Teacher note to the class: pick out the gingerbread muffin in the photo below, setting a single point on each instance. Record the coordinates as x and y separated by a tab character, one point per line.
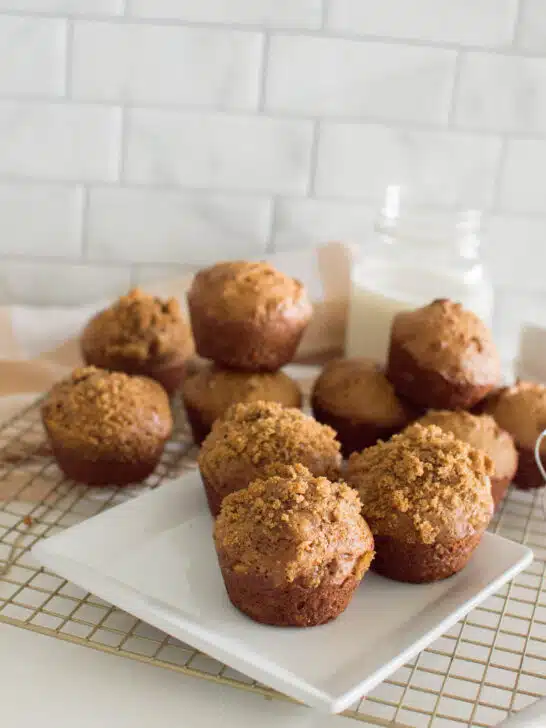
427	499
483	433
521	411
355	398
208	392
140	334
292	548
252	439
247	315
107	428
442	356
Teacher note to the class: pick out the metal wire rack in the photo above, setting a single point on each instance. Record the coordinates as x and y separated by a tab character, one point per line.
491	663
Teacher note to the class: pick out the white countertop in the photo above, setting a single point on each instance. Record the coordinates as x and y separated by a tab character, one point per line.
49	683
53	684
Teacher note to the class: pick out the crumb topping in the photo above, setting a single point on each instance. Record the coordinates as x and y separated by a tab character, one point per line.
357	388
212	390
248	290
521	411
295	526
100	411
139	326
446	337
423	484
480	431
256	435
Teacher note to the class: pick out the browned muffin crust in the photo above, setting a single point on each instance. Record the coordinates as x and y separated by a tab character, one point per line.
247	315
107	427
292	547
252	438
210	391
442	356
426	496
355	398
140	334
483	433
521	411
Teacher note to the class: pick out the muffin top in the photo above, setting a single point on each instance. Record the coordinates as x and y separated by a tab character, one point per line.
445	337
212	389
423	486
100	412
242	290
480	431
293	526
521	411
253	437
358	389
139	327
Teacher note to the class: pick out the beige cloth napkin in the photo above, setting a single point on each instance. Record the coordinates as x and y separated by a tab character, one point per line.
531	359
39	345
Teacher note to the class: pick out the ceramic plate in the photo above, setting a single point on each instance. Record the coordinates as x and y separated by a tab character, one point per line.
154	557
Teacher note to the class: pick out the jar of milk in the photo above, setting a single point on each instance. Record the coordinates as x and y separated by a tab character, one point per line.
414	257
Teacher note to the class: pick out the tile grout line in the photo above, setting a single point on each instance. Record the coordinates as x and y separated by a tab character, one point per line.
304	31
324	13
364	120
270	246
264	67
313	159
494	205
69	57
457	70
122	146
84	225
518	21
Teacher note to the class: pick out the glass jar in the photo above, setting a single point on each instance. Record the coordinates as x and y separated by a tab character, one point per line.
414	257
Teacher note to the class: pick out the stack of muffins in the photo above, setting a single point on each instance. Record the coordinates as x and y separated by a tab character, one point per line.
108	422
292	544
247	320
427	458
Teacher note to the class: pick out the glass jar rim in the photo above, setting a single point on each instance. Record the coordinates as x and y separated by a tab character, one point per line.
427	225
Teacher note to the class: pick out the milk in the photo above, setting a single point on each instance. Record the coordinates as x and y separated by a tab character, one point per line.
379	292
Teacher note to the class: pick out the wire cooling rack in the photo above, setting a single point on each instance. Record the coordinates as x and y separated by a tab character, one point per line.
491	663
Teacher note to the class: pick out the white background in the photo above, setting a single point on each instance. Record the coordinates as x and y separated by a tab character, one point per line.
141	134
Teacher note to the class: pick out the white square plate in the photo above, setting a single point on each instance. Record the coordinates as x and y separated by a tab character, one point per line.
154	557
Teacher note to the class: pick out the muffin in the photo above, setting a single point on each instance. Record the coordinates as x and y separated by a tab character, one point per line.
292	548
483	433
442	356
355	398
247	316
252	439
427	499
140	334
107	427
209	392
521	411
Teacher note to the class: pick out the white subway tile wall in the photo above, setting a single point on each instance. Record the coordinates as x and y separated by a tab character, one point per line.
32	56
150	64
266	13
64	7
333	77
523	180
150	226
218	151
51	141
143	137
463	22
442	167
